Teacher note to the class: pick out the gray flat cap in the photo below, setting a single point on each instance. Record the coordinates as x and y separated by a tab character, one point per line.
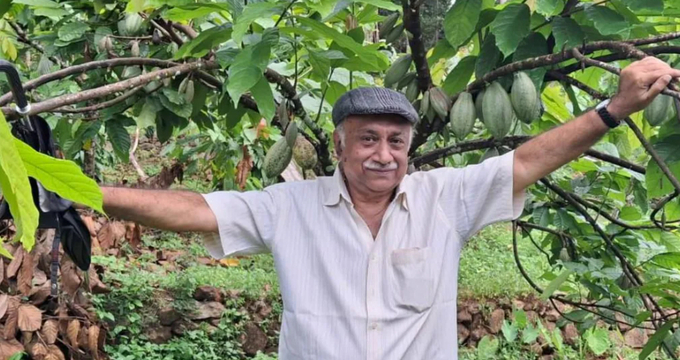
373	101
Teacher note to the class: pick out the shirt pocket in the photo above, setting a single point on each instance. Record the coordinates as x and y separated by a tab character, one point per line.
413	283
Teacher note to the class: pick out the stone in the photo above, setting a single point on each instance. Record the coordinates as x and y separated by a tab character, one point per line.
570	334
635	338
208	293
532	316
552	315
159	335
536	348
168	315
518	304
496	321
464	317
463	333
623	327
549	325
477	334
473	309
181	326
253	339
207	310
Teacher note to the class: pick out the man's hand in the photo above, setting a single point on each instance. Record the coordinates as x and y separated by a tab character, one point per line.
639	84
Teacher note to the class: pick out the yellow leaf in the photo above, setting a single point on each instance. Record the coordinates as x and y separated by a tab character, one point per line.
9	49
229	262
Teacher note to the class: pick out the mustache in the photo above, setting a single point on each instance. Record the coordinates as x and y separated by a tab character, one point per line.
374	165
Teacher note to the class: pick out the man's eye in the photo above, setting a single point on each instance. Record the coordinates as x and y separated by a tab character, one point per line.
397	141
368	138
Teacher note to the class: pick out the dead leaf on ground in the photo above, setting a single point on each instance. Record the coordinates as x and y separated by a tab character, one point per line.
26	337
16	262
133	234
69	276
30	318
39	277
4	302
110	234
54	353
93	340
25	278
37	350
243	168
62	312
40	293
12	318
2	270
72	332
90	223
9	348
49	331
227	262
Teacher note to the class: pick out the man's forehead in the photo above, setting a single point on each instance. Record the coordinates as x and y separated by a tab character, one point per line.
392	123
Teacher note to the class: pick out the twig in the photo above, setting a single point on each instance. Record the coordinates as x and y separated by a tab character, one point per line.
102	105
668	198
21	35
142	176
138	38
283	14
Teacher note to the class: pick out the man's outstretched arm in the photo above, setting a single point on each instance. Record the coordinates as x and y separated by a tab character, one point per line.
639	84
170	210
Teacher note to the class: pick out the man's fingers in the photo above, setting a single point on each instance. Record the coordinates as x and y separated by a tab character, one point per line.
651	77
658	86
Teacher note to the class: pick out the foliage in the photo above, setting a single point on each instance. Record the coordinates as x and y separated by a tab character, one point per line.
607	220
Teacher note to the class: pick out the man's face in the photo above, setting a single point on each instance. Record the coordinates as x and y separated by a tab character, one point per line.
375	153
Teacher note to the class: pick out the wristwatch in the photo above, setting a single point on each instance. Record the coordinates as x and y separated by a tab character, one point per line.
608	119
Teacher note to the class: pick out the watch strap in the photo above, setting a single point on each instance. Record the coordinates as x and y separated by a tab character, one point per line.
607	118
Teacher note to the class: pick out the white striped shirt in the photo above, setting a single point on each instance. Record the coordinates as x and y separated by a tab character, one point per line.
348	296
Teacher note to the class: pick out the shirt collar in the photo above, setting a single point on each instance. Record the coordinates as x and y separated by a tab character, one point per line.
337	190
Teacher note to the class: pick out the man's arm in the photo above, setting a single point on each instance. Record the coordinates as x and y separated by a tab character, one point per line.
161	209
639	84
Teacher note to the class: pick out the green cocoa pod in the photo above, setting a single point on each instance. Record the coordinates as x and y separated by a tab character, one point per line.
497	109
537	111
387	25
395	33
291	134
489	153
133	23
425	103
406	79
397	71
462	116
189	91
478	105
624	282
564	255
183	86
412	90
101	44
523	97
134	48
440	102
277	158
304	153
659	110
156	37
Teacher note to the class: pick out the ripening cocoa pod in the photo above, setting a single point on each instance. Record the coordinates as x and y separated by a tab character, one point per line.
304	153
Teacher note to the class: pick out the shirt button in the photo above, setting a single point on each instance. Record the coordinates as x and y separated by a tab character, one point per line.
373	257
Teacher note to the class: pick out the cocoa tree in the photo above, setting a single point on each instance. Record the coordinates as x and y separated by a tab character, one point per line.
219	83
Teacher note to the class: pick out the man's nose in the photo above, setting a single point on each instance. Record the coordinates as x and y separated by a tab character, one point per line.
383	154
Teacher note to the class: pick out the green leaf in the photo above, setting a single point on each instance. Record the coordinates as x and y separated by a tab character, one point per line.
636	5
181	110
555	284
656	339
262	93
38	3
567	33
510	26
608	21
251	13
459	77
200	96
669	260
487	348
119	138
373	59
193	11
16	188
657	183
321	65
72	31
541	216
63	177
549	8
598	340
630	213
460	21
532	46
383	4
4	7
530	334
442	50
335	90
489	56
147	116
242	79
564	221
173	96
204	42
509	331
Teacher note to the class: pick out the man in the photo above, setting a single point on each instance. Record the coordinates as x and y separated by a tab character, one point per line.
368	258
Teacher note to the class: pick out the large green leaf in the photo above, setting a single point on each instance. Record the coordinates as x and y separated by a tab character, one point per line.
635	5
656	339
119	139
181	109
488	57
262	93
532	46
567	33
555	284
608	21
510	26
193	11
443	50
63	177
38	3
251	13
598	340
549	7
458	78
4	7
460	21
72	31
16	188
667	260
204	42
321	64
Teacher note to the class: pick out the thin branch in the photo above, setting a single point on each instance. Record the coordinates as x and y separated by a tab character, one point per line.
412	25
283	14
668	198
102	105
21	35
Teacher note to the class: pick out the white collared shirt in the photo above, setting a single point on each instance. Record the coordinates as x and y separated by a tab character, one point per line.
348	296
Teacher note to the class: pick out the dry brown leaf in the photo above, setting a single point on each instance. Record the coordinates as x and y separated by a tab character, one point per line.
30	318
37	350
26	337
12	318
16	262
54	353
2	270
69	276
82	337
40	293
62	312
72	332
39	277
93	340
89	222
133	234
110	234
9	348
4	302
243	168
50	330
25	278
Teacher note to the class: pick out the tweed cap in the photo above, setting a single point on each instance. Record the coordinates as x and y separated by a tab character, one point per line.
373	101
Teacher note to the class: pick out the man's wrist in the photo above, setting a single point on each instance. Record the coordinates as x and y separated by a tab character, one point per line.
602	110
616	111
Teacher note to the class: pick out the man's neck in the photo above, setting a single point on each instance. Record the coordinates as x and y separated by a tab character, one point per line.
370	206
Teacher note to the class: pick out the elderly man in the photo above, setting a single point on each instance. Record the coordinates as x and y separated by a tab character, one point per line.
368	258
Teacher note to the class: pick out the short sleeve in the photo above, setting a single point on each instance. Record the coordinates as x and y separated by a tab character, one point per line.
246	223
482	194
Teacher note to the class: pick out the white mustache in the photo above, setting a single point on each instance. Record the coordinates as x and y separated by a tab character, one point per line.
373	165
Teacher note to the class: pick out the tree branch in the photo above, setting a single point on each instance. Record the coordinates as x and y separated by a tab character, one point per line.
21	35
102	105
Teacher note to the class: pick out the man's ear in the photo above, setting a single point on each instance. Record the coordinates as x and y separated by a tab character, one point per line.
338	143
